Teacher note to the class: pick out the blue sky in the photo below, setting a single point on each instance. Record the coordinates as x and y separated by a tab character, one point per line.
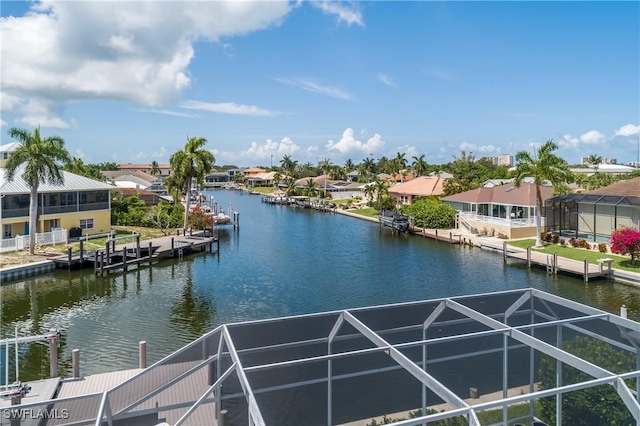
130	81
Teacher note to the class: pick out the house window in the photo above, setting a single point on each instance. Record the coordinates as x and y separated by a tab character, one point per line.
7	232
86	223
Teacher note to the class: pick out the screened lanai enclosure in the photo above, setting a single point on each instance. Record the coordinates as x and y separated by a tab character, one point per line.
591	216
461	357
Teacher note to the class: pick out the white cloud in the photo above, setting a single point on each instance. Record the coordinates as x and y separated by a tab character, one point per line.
386	80
278	149
312	86
438	73
131	51
409	151
228	108
80	154
628	130
343	13
42	113
167	112
160	153
593	137
3	123
348	143
475	149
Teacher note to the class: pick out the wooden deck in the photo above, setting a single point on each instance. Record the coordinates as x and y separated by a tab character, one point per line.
136	253
554	264
184	393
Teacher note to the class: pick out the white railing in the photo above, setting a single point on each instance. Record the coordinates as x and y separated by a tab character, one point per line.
21	242
512	223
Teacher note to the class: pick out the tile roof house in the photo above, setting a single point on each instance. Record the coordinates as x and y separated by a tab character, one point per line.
504	210
80	202
595	214
423	186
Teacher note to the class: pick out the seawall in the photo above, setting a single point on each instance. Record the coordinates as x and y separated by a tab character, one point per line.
12	273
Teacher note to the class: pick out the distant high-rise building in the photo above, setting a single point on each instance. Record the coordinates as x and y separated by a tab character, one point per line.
505	160
609	161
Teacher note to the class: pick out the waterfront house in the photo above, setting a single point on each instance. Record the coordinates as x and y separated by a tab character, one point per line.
217	179
261	179
252	171
80	202
164	170
504	210
335	189
595	214
423	186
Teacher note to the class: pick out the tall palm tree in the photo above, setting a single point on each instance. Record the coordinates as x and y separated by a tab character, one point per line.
419	165
543	166
594	160
348	166
42	160
192	162
154	168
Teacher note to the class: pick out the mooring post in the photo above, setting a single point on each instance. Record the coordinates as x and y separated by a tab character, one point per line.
124	258
173	246
95	262
75	362
137	246
150	248
53	358
113	245
529	257
69	257
436	235
623	311
101	263
108	251
142	354
555	263
504	252
222	421
586	270
450	238
81	252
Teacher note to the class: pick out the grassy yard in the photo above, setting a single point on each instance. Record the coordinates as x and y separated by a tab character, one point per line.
619	262
368	212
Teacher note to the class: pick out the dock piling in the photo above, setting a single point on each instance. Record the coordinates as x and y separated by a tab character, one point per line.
586	271
124	258
623	311
53	358
150	250
75	362
142	354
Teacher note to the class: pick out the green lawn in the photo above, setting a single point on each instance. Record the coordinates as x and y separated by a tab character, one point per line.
368	212
619	262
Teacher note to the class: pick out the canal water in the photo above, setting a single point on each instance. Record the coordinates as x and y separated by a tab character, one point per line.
280	261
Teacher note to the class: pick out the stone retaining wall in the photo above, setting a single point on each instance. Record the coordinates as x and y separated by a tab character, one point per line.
13	273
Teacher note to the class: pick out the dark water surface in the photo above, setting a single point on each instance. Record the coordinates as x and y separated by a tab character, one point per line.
281	261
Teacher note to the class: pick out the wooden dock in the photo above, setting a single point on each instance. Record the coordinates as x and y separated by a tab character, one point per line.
554	264
136	253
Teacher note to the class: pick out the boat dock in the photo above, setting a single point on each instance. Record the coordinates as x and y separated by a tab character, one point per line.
554	264
136	253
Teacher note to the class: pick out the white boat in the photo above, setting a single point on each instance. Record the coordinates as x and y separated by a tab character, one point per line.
221	218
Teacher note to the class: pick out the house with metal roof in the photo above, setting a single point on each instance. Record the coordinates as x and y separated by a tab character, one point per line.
595	214
504	210
80	202
164	170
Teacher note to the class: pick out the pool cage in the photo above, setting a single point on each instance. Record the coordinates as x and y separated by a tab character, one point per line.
461	355
591	216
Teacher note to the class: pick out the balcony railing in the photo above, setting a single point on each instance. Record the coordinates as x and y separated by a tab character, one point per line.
503	221
24	212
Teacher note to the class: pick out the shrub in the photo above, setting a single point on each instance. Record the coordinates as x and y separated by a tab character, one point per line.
626	241
562	241
602	248
555	239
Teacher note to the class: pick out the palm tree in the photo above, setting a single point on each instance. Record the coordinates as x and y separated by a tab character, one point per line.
41	159
154	168
594	161
348	166
382	189
193	162
311	188
419	165
543	166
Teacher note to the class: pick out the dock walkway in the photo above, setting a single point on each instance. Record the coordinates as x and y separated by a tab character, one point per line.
136	253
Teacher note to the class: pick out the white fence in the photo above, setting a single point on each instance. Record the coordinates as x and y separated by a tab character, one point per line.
57	236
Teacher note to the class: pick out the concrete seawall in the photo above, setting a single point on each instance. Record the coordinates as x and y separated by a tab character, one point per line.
13	273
